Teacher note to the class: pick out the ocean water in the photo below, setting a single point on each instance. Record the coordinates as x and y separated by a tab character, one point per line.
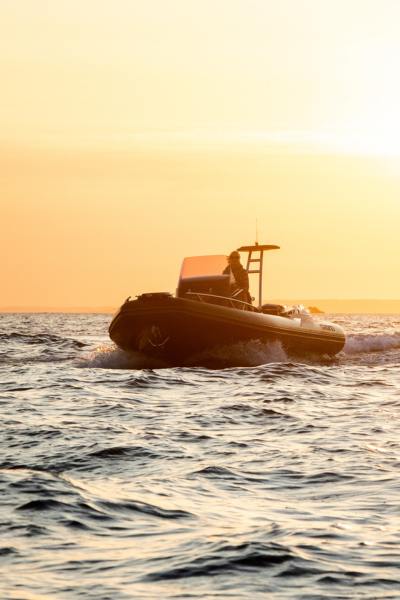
272	478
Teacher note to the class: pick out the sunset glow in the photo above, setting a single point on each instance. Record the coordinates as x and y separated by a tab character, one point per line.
133	134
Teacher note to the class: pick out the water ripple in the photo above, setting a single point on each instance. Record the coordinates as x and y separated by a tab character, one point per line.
259	477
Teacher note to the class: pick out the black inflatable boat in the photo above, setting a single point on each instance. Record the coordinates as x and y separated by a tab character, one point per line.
203	315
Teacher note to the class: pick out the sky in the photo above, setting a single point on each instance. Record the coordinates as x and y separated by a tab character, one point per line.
133	134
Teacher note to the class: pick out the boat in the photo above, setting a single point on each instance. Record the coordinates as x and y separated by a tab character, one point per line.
203	315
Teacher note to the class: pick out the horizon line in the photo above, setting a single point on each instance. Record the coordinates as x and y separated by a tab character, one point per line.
324	141
361	302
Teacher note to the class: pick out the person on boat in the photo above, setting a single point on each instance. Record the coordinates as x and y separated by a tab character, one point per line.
240	277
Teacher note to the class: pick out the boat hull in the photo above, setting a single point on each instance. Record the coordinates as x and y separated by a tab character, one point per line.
177	329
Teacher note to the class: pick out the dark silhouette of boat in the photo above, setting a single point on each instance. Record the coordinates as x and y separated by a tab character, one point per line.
203	315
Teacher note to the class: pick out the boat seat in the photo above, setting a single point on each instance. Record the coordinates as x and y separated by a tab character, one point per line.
272	309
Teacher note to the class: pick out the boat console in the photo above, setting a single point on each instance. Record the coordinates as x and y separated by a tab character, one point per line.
203	274
211	284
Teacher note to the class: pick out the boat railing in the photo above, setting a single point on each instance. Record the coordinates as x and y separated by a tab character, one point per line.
222	300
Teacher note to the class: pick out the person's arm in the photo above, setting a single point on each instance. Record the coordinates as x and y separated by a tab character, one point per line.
243	279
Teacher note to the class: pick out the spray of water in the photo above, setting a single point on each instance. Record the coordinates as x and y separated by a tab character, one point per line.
110	357
240	354
361	343
246	354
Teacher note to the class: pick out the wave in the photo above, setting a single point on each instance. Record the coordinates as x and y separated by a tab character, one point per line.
361	343
251	353
40	338
110	357
123	452
227	558
144	508
239	354
27	348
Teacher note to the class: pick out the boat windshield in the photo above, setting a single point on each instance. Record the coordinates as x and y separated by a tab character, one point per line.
203	266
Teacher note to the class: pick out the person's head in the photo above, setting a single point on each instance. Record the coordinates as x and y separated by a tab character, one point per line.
234	258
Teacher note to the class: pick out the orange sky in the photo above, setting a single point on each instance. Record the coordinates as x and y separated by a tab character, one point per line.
134	133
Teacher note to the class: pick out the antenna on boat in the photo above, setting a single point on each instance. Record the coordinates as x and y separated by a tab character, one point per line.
260	249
